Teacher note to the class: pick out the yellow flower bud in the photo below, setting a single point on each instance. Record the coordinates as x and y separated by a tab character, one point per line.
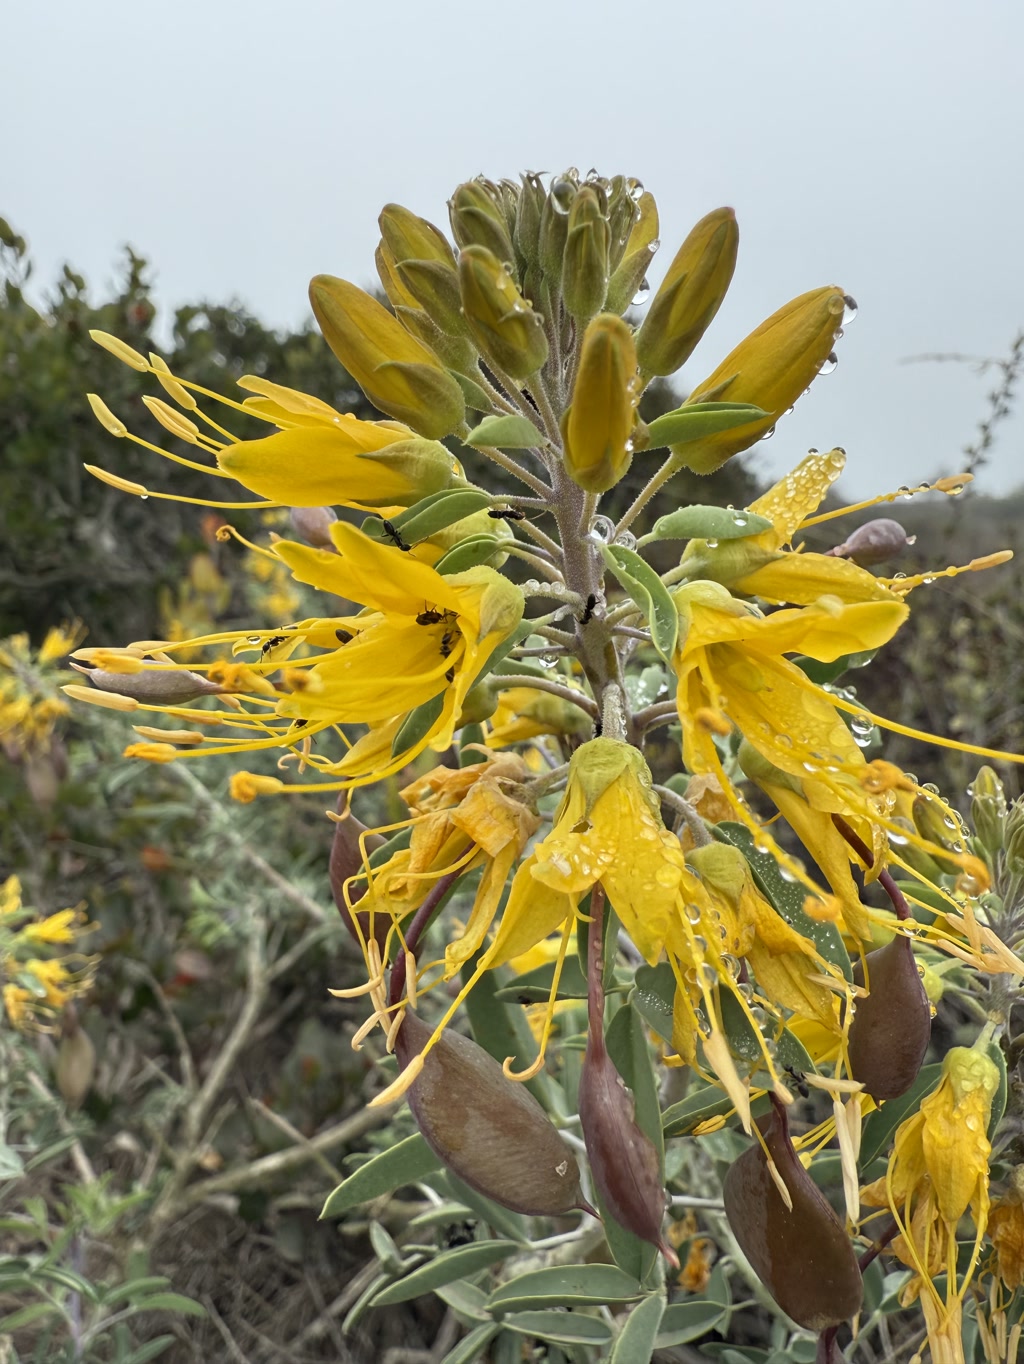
585	262
478	218
506	329
554	226
642	243
425	265
771	368
396	372
597	425
690	295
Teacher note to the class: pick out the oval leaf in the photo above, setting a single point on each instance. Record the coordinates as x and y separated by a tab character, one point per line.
564	1328
635	1344
470	1348
452	1265
438	511
686	1321
649	593
578	1285
696	421
469	553
707	523
508	433
416	724
405	1163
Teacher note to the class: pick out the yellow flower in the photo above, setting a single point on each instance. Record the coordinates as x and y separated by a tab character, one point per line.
524	713
55	980
18	1002
10	897
62	927
938	1172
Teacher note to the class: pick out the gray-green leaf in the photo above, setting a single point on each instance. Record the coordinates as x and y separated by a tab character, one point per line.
697	421
405	1163
649	593
446	1268
507	433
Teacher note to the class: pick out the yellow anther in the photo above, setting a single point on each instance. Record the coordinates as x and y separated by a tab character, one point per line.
121	350
114	425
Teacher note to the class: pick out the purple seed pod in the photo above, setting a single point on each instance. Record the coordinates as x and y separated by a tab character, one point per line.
346	861
623	1160
874	542
313	524
155	686
890	1030
801	1253
487	1129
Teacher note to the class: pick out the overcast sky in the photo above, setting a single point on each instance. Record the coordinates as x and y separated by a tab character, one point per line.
876	144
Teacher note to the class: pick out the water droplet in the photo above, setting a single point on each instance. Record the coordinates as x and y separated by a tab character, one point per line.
829	364
252	639
711	544
627	540
956	491
740	518
769	433
849	309
642	294
530	586
904	492
786	874
143	497
602	528
548	660
654	245
899	575
900	840
635	189
693	913
707	976
563	192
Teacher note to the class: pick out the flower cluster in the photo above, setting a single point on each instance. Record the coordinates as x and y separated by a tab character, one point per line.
40	975
781	973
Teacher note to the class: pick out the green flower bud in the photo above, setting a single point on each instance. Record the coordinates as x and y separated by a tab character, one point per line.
410	237
528	216
622	213
690	295
425	265
770	368
597	425
585	262
988	809
554	227
478	218
930	823
506	329
396	372
631	271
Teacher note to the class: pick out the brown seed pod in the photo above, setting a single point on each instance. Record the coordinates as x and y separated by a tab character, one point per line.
801	1254
890	1030
486	1128
623	1160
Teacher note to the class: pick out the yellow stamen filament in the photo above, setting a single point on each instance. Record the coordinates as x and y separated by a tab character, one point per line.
549	1014
140	490
410	979
398	1087
903	585
951	485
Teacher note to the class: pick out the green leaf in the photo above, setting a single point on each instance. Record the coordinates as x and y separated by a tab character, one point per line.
460	1263
824	673
635	1343
650	594
171	1302
565	1328
69	1279
743	1039
995	1052
384	1248
880	1125
697	421
686	1321
405	1163
469	553
507	433
470	1348
578	1285
417	723
707	523
503	1221
149	1351
474	395
133	1289
653	996
787	896
534	986
26	1315
706	1101
11	1164
465	1299
438	511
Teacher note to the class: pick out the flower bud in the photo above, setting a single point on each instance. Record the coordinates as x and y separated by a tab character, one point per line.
930	823
528	216
622	212
478	219
396	372
76	1060
313	524
346	860
597	425
873	543
585	261
425	265
153	686
988	809
487	1129
771	368
890	1029
796	1245
506	329
690	295
624	1162
410	237
631	271
554	227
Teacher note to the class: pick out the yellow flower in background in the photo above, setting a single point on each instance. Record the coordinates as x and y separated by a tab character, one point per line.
36	987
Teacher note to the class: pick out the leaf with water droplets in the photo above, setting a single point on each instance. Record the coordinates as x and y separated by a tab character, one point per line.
707	523
649	593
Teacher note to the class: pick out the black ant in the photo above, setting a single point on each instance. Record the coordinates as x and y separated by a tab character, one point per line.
343	636
588	610
446	648
430	617
392	532
506	514
458	1234
271	644
798	1081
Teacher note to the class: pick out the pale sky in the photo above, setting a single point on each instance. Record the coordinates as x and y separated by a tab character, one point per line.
876	145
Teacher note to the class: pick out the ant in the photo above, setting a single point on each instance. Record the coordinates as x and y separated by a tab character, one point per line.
430	617
588	610
271	644
798	1081
393	534
446	648
506	514
459	1234
343	636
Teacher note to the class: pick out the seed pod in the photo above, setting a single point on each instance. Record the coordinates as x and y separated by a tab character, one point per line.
800	1253
345	861
76	1060
874	542
623	1160
890	1030
314	525
153	686
487	1129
